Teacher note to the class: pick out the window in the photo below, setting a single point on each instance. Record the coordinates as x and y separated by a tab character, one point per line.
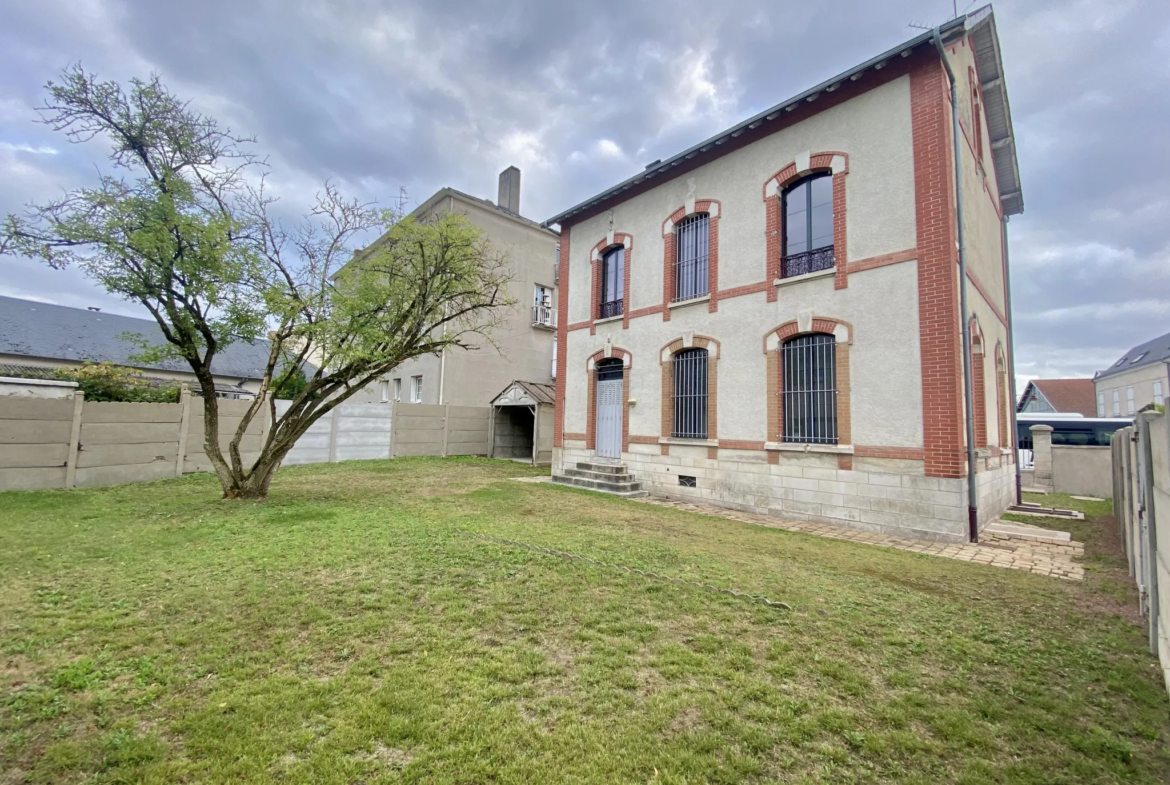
1138	358
1158	393
1129	399
416	389
690	394
557	266
809	365
398	389
1116	403
808	226
1100	404
385	384
613	270
542	307
690	267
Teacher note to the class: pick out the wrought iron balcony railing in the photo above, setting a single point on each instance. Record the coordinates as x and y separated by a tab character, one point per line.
611	308
807	262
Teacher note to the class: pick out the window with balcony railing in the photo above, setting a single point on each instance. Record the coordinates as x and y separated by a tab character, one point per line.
808	226
613	270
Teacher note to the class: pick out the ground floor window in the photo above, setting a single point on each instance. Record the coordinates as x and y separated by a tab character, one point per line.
809	365
416	389
690	394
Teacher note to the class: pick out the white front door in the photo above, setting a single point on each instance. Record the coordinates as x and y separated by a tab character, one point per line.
609	414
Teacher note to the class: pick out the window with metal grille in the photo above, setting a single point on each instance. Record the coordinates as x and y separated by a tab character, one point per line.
692	241
690	394
808	226
613	271
810	394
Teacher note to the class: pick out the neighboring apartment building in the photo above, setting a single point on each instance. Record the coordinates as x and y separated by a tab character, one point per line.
771	319
1062	396
37	338
527	341
1139	378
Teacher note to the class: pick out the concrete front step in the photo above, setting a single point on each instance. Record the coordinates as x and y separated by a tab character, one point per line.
1026	532
627	490
601	467
589	474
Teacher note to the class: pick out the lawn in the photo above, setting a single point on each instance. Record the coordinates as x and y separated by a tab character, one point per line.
346	632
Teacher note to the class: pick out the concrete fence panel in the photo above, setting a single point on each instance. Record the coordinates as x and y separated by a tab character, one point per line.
37	436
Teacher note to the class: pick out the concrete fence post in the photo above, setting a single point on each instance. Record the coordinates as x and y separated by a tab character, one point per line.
184	429
335	414
74	440
446	426
1042	457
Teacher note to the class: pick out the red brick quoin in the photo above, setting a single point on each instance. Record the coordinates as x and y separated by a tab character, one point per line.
774	215
714	210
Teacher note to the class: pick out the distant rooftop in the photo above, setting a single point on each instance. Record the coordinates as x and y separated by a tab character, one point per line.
56	332
1147	353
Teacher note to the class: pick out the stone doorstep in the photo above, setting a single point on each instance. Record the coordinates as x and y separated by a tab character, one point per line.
1025	532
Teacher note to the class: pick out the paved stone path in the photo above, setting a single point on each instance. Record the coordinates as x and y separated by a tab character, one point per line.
995	550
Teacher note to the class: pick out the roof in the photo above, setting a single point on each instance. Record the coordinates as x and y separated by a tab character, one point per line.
55	332
980	24
537	391
1148	353
1072	396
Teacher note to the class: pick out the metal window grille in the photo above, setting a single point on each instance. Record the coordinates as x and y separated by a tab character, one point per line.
608	370
810	394
692	240
690	394
613	266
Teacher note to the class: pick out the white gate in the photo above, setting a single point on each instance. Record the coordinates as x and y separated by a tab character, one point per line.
609	411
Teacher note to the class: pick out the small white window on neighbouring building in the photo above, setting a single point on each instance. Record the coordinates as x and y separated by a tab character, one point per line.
1129	400
1100	404
398	389
385	391
1116	402
1158	393
416	389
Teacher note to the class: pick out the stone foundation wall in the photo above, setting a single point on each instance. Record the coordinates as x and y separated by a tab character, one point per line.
887	496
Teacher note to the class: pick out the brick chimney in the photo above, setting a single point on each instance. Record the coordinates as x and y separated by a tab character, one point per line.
509	197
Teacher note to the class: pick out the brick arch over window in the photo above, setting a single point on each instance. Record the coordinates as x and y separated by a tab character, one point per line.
774	339
666	360
604	245
627	358
714	209
805	164
978	383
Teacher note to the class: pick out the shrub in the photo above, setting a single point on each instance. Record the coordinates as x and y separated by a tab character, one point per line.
109	382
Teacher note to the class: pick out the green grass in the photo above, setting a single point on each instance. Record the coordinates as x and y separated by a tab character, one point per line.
344	632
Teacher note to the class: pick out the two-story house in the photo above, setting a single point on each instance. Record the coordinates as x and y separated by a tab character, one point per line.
524	347
772	320
1140	377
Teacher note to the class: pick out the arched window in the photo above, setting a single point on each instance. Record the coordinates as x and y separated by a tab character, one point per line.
809	365
690	394
808	226
692	240
613	272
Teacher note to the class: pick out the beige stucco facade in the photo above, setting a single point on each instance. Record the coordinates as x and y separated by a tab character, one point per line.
1142	380
884	471
522	350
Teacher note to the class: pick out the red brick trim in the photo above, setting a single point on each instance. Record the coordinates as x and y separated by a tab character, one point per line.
627	358
751	288
577	326
574	436
562	341
986	297
773	188
1003	422
642	439
774	427
740	444
873	262
845	463
666	361
714	209
938	314
901	453
595	255
649	310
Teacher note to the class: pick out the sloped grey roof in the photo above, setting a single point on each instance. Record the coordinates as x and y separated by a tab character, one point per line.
55	332
1147	353
538	391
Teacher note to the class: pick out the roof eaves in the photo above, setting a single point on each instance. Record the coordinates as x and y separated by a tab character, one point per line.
767	115
989	64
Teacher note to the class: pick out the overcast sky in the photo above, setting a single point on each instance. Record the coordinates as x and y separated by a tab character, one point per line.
413	94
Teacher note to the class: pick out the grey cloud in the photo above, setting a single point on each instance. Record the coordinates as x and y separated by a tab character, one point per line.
380	94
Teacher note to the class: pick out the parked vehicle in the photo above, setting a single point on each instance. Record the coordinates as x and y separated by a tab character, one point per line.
1070	429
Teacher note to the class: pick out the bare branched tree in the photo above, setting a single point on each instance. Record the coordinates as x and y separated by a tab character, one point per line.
184	226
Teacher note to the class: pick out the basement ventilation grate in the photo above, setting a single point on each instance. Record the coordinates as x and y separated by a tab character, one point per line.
687	481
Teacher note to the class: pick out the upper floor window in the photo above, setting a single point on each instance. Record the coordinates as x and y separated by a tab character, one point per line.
809	365
1158	393
808	226
398	389
692	239
1116	403
543	313
613	272
1100	404
416	389
1129	403
690	394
